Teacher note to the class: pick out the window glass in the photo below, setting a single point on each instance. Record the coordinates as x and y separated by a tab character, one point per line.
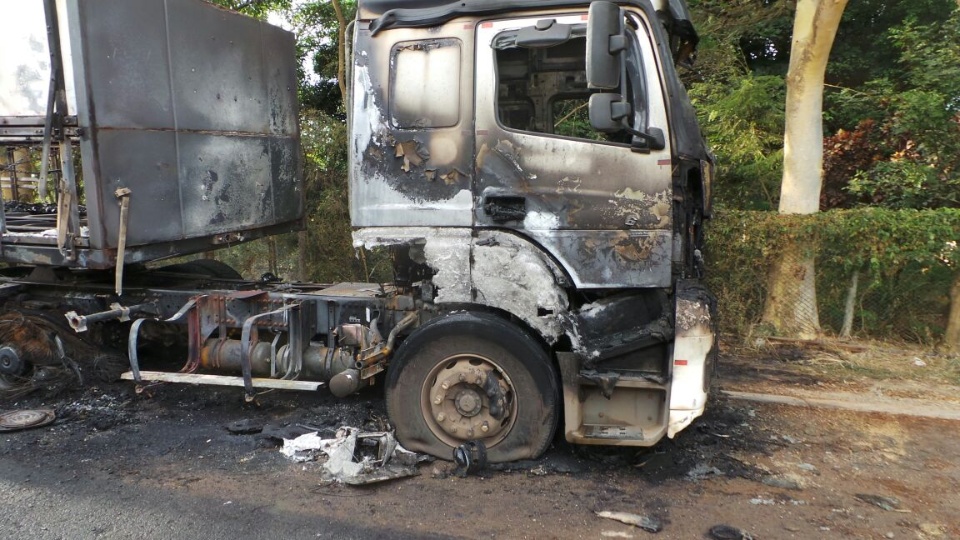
425	77
544	89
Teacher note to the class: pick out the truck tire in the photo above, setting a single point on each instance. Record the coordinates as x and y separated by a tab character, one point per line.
473	376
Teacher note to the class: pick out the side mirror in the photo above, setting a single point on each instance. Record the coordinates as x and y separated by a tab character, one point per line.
605	43
607	112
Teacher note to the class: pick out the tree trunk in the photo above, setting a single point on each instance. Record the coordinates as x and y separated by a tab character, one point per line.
303	240
951	339
272	255
791	303
814	29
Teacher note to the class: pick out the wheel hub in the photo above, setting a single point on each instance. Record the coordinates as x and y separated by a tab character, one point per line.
471	399
10	362
468	402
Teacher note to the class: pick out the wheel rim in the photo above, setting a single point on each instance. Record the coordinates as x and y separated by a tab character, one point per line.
468	397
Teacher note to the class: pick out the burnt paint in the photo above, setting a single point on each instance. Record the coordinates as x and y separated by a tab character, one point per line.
401	157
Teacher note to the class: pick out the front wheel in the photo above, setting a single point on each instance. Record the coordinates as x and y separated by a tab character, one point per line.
473	377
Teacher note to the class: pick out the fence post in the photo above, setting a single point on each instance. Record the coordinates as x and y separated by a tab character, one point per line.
849	306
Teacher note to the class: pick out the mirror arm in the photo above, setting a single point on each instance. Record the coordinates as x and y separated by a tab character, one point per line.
653	143
618	43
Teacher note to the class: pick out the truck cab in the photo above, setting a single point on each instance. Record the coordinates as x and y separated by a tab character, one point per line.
538	163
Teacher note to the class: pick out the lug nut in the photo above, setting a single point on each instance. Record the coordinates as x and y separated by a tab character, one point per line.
441	417
485	427
445	385
462	377
438	400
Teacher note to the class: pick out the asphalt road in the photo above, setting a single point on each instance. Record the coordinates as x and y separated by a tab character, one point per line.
116	465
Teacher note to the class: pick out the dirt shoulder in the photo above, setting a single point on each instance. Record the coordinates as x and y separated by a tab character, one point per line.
843	371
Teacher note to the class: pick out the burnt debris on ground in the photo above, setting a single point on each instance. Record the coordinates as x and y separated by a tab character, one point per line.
710	448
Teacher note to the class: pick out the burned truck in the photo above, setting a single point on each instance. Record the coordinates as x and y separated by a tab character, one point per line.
534	168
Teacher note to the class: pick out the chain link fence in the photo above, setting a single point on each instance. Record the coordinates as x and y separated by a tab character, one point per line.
817	281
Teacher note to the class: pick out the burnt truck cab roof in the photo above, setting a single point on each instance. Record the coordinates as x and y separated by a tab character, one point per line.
678	40
402	13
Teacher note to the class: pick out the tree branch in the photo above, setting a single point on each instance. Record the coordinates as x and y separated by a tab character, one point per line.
341	52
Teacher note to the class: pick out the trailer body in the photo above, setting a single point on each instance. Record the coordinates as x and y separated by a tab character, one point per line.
535	168
179	102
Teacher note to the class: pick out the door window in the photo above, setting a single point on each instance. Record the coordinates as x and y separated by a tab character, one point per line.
543	89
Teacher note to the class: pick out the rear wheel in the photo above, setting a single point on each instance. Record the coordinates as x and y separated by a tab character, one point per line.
473	376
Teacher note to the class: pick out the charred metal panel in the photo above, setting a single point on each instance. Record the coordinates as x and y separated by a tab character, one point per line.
225	183
603	211
191	107
603	259
412	164
225	87
286	172
492	268
511	274
628	332
150	157
126	83
610	409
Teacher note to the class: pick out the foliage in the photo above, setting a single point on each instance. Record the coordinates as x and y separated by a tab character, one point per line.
740	109
316	25
255	8
742	36
890	106
845	154
744	122
908	152
863	50
906	259
328	247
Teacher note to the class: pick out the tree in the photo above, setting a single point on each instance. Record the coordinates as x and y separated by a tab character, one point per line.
791	302
739	105
951	338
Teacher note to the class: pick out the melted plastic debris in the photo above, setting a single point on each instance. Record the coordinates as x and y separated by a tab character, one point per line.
354	457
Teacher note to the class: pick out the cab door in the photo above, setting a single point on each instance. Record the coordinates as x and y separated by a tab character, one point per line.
597	202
